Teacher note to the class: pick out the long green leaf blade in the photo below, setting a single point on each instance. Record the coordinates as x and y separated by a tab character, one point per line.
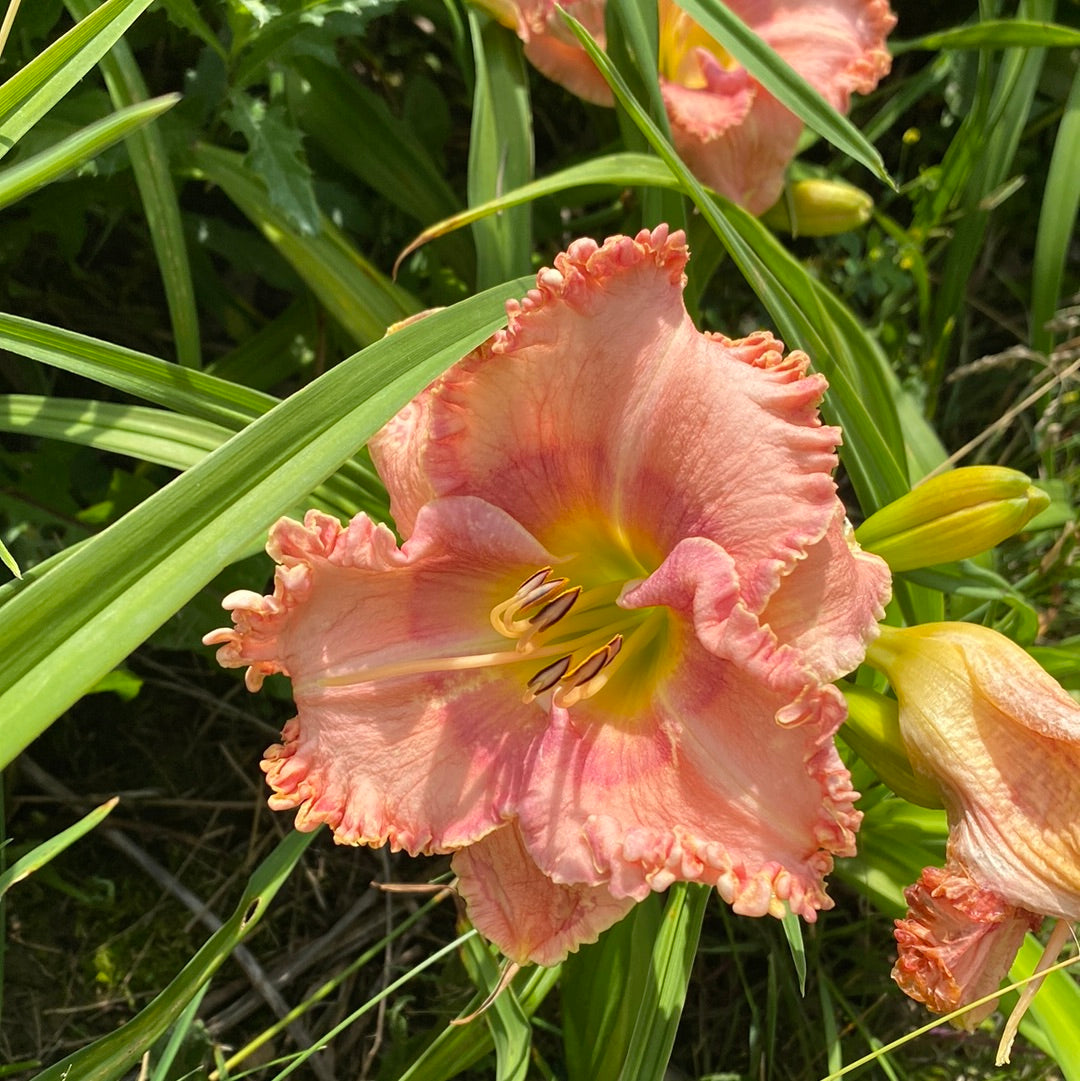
50	849
57	637
32	91
1057	220
76	149
150	161
662	1003
152	435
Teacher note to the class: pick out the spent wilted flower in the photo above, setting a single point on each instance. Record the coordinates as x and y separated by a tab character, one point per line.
601	660
734	135
1001	739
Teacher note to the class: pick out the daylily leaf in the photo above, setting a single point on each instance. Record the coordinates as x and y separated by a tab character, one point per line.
32	91
71	152
58	638
48	850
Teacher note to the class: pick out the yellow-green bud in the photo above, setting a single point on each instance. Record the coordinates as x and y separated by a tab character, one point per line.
819	208
872	731
952	516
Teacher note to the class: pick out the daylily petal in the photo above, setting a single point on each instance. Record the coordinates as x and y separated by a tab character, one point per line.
584	408
744	162
411	749
528	916
552	49
957	943
819	609
704	787
837	46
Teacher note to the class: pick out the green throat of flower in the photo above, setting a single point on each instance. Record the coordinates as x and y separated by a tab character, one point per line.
571	639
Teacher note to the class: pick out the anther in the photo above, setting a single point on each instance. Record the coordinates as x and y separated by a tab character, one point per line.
547	677
532	582
538	593
554	610
594	663
589	676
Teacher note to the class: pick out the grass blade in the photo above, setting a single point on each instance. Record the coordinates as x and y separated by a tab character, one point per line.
50	849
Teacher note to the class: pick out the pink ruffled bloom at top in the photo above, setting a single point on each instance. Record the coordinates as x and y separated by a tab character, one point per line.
601	660
734	135
1002	740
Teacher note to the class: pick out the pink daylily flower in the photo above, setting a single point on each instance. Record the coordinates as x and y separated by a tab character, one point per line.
1002	740
733	134
601	660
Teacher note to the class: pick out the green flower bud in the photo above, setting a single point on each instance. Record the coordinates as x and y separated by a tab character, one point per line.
952	516
819	208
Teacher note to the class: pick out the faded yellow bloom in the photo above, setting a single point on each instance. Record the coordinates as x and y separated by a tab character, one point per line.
1001	740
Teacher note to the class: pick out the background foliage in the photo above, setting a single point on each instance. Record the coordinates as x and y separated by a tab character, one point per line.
200	207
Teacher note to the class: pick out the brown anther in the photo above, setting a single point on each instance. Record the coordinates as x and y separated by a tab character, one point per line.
538	594
554	610
547	677
532	582
594	663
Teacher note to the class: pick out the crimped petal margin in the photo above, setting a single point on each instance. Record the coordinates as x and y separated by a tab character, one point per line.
397	738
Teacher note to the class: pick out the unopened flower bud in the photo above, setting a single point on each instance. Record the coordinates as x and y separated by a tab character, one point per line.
952	516
819	208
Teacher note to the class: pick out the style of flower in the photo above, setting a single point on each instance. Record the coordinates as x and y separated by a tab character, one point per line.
601	660
734	135
1002	740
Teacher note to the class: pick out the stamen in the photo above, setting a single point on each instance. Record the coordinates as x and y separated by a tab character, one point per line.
593	665
554	610
547	677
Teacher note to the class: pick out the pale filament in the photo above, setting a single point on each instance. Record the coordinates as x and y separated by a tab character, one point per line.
537	606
